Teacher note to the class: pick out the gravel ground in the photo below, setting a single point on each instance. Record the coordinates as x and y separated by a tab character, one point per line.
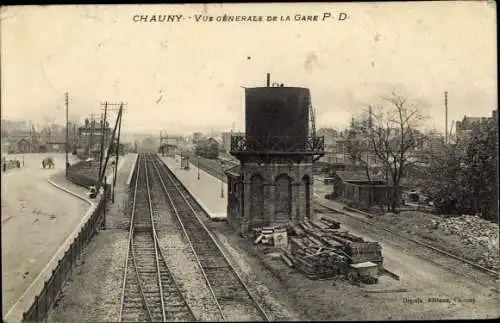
284	293
93	292
422	226
182	263
337	299
36	219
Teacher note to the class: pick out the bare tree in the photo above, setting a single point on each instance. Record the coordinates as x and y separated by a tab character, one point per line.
390	132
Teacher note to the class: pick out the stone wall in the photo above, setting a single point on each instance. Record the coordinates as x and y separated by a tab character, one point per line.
286	190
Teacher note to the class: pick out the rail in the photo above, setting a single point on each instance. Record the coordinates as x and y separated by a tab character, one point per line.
200	225
140	260
176	212
490	272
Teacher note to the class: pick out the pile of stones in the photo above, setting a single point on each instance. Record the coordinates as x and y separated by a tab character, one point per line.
476	233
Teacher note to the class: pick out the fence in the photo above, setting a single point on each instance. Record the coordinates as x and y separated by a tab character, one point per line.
45	300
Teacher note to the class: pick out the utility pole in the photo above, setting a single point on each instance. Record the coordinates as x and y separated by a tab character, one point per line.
368	155
75	142
103	135
221	177
67	125
446	117
91	138
117	150
114	144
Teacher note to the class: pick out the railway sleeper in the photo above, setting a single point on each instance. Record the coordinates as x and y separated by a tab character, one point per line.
177	307
143	228
133	299
134	305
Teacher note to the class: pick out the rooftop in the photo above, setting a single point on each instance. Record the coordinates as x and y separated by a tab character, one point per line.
356	176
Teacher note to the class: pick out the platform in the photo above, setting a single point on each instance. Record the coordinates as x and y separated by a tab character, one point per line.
40	219
206	190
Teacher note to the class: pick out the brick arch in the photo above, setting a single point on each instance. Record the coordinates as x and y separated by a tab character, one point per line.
283	197
256	199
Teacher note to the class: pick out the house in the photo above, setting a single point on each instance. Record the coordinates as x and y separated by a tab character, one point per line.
24	146
356	189
90	135
466	126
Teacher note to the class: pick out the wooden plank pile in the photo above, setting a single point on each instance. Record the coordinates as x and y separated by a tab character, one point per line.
265	235
321	250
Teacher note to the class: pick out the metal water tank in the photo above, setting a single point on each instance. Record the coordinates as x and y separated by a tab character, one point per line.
277	118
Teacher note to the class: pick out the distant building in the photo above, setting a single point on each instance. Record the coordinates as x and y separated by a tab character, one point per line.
466	126
355	188
197	136
90	136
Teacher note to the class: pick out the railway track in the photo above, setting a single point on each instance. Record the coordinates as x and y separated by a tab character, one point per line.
433	254
442	258
149	292
234	300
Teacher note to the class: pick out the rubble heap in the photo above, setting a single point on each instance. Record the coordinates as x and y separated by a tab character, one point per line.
476	233
321	250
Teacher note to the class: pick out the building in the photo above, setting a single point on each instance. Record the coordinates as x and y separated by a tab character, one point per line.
90	136
171	145
356	189
226	139
273	183
197	136
465	127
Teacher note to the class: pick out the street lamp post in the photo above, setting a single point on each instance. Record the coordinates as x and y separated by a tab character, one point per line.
221	182
198	167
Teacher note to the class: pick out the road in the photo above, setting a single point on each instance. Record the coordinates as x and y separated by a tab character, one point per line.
424	278
36	219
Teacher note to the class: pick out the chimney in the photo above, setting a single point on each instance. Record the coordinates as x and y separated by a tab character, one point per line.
268	79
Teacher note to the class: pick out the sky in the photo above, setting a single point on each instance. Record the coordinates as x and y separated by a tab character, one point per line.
187	76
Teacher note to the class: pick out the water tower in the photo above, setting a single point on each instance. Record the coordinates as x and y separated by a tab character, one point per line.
273	183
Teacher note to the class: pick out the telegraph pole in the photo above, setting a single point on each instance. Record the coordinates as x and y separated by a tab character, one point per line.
115	142
221	181
446	117
91	138
117	149
103	135
67	125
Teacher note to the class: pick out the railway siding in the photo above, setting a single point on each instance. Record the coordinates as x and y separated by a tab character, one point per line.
150	292
179	258
235	300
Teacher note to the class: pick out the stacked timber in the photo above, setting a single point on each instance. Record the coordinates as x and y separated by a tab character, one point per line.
265	235
321	250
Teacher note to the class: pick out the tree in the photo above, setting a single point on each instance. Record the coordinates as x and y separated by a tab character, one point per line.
463	177
390	132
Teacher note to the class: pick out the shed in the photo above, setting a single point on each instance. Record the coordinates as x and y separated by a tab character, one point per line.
356	188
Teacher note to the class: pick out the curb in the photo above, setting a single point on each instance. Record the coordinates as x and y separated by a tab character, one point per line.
200	203
53	261
70	192
132	170
391	274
